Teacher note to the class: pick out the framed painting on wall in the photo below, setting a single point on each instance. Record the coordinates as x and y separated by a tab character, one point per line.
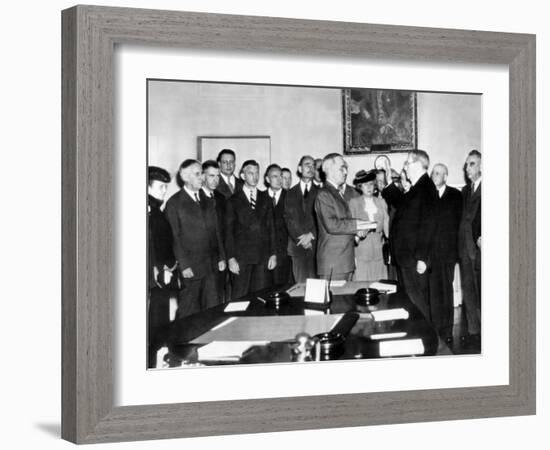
377	121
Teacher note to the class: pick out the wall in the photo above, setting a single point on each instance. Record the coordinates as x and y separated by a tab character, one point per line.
31	328
299	120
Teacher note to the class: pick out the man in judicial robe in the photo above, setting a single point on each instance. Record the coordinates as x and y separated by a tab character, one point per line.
448	209
211	179
469	248
229	183
412	230
301	224
197	242
250	241
282	273
337	228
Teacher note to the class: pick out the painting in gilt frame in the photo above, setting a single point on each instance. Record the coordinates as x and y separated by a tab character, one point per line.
377	120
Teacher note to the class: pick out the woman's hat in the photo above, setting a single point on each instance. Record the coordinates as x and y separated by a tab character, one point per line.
364	177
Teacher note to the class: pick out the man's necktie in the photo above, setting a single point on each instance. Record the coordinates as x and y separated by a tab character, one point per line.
274	200
197	198
306	191
252	200
231	187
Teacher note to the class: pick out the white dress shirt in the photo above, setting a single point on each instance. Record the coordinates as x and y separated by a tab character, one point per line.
304	185
230	181
276	194
191	193
476	184
441	190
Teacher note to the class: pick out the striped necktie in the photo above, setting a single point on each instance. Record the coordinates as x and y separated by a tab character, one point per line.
252	199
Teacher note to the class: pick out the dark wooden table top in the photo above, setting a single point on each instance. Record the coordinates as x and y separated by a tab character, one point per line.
358	344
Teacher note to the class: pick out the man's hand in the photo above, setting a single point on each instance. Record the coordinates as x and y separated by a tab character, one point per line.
421	267
479	242
221	265
362	234
305	240
234	266
187	273
272	263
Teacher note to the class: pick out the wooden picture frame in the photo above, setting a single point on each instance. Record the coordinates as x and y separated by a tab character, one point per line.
90	34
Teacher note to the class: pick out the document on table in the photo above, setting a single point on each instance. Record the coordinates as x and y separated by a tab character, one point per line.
226	350
387	288
390	314
236	306
402	347
316	291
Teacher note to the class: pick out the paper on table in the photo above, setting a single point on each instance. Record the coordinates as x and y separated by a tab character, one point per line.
381	336
402	347
225	350
390	314
337	283
384	287
236	306
316	291
313	312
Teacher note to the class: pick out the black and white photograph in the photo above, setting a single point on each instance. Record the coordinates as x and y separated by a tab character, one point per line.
300	224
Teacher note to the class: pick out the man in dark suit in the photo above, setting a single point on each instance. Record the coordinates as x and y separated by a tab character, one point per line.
448	209
162	263
229	183
250	234
300	221
211	179
412	230
469	248
197	241
337	228
282	273
349	192
319	176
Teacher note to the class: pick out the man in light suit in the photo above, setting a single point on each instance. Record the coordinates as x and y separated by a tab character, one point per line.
469	248
337	228
412	230
300	221
197	242
448	209
229	183
250	241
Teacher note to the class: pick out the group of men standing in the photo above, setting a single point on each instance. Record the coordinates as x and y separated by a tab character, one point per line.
230	238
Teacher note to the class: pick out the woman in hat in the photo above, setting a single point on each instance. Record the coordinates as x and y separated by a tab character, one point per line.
368	252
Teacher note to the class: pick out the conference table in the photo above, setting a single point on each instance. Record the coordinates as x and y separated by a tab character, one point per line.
272	331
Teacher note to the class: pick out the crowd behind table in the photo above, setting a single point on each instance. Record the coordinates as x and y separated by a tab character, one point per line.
220	237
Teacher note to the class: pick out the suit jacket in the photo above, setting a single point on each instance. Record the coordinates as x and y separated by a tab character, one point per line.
299	215
448	209
470	224
220	205
250	232
281	232
197	240
224	189
413	224
350	192
337	228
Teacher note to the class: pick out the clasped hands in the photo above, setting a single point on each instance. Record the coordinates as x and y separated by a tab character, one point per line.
305	240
